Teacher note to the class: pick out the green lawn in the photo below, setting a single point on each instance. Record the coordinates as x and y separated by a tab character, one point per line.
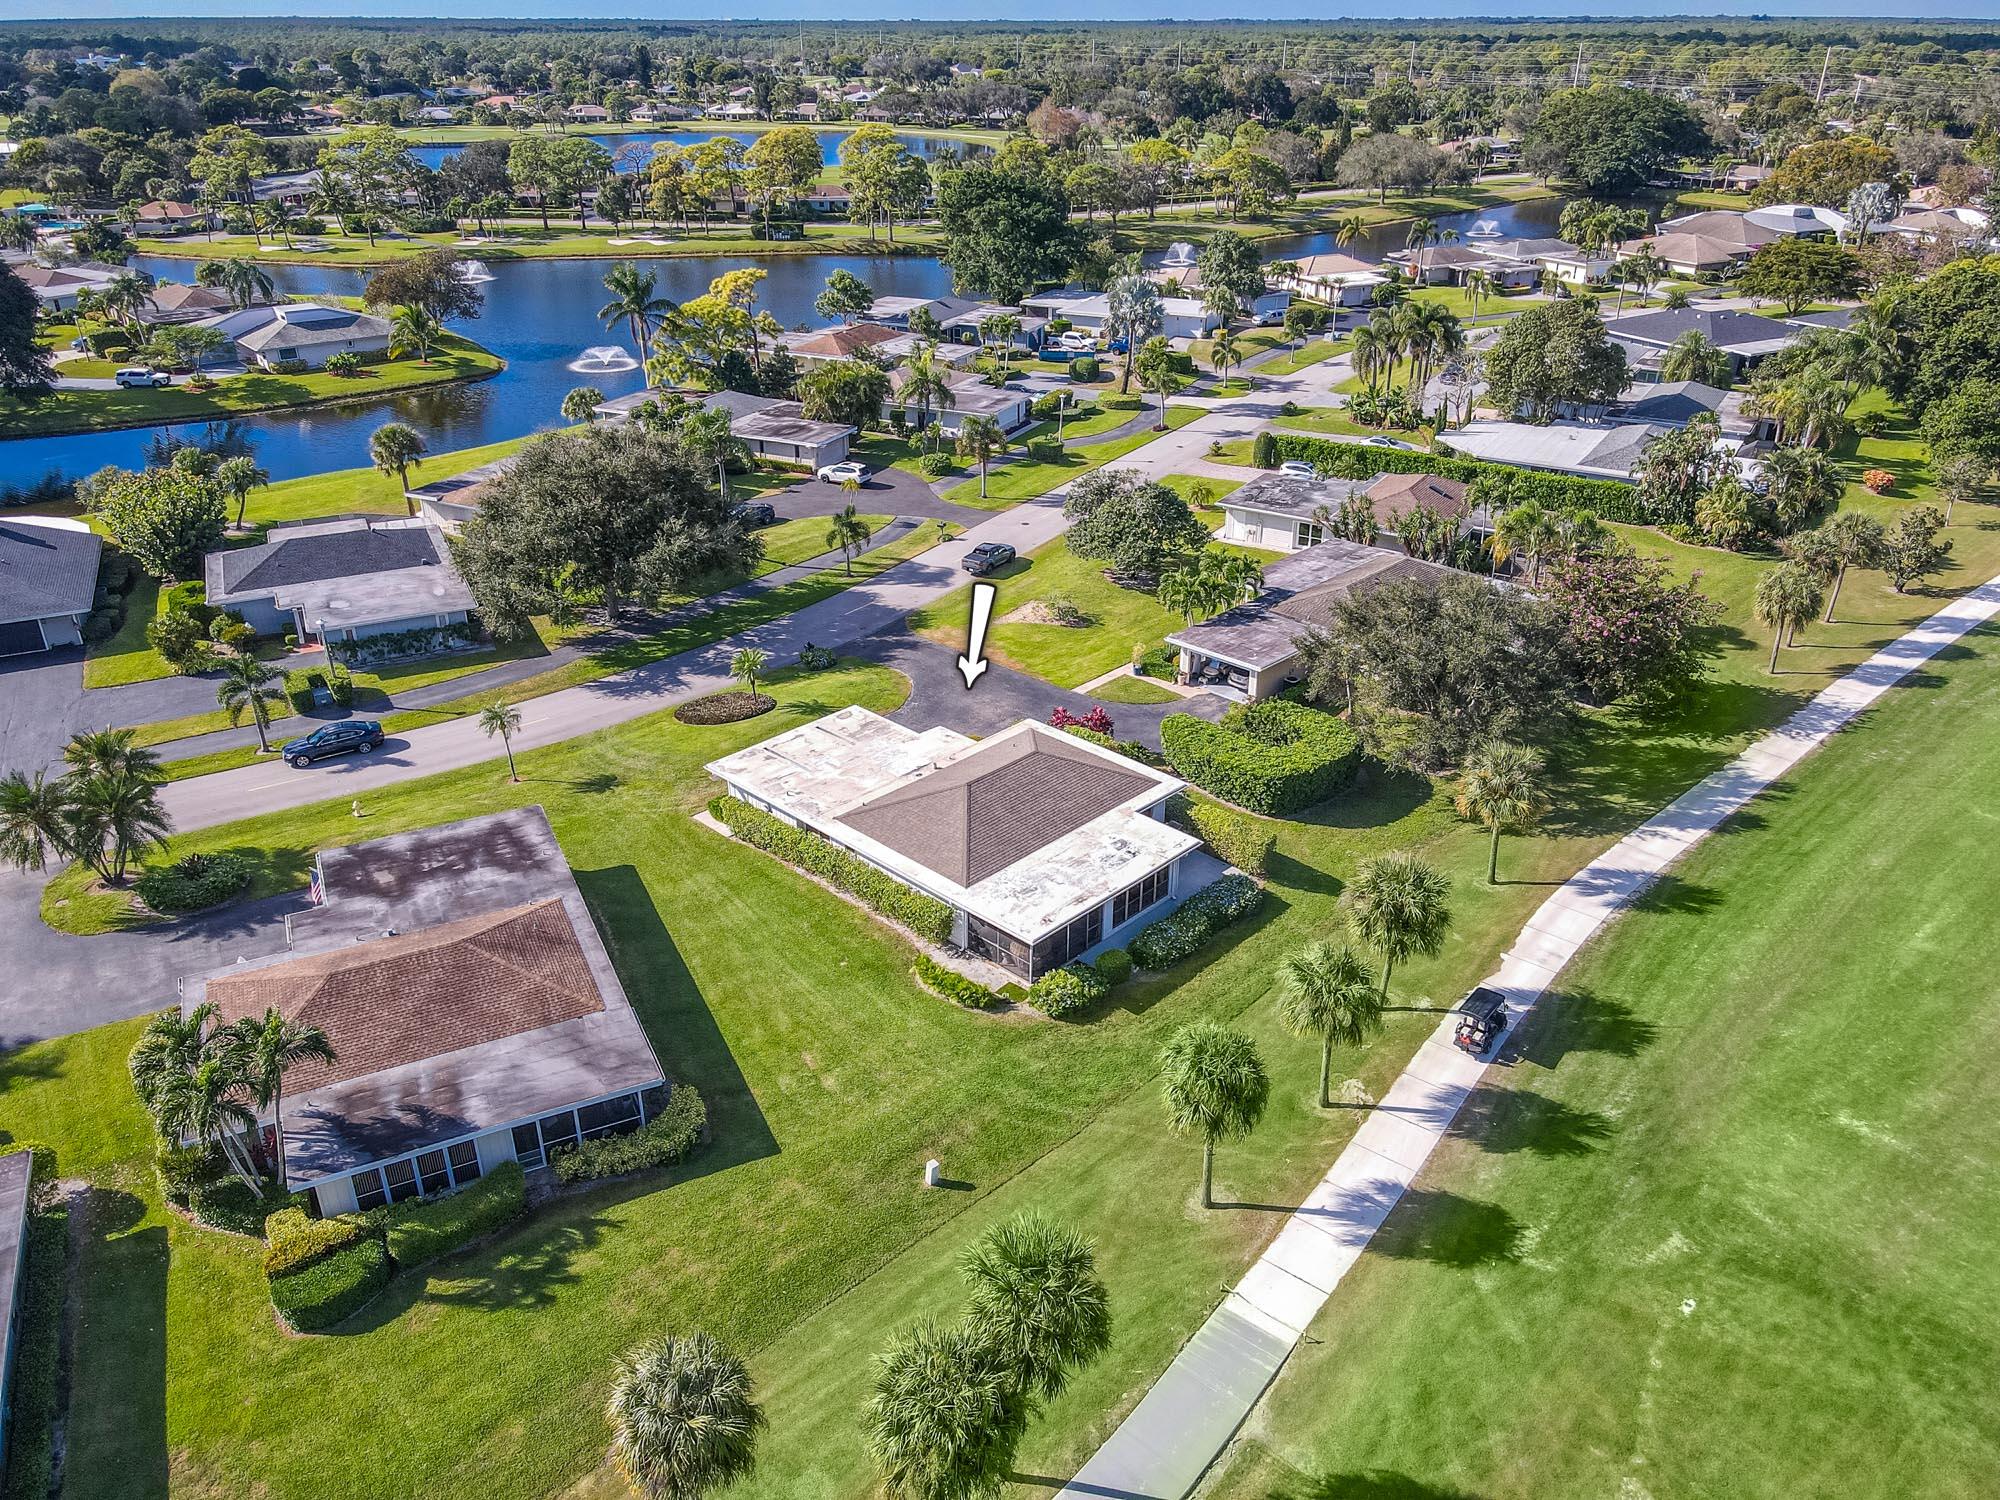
1133	690
1728	1194
125	656
1312	352
791	542
1028	479
75	411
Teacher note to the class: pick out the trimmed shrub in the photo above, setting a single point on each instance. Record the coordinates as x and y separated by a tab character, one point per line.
107	341
1085	369
340	683
1264	450
1115	965
182	1169
1273	757
668	1137
1045	450
225	1203
1163	662
346	362
1130	749
1061	992
924	915
1197	919
953	985
332	1288
1236	838
422	1229
299	686
102	624
817	658
937	465
1497	485
193	882
296	1241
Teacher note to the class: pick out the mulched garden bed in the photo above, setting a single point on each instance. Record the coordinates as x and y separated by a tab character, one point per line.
725	708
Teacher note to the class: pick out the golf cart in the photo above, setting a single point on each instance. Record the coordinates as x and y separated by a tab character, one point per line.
1482	1016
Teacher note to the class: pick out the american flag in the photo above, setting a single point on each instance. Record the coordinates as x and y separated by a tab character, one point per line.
317	890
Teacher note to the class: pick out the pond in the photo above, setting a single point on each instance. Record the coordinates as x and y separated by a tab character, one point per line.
930	147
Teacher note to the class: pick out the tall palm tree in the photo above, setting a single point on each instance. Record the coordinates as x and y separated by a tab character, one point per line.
684	1417
923	385
208	1103
247	283
946	1415
1502	787
709	437
253	687
1434	333
635	303
124	295
1372	355
1526	531
504	720
1135	313
581	404
415	330
1349	229
240	475
112	752
1786	598
264	1048
1422	234
117	817
1803	482
1400	906
171	1044
1326	991
982	440
1479	285
396	448
848	533
1215	1086
35	820
1184	591
1852	539
1037	1300
1223	353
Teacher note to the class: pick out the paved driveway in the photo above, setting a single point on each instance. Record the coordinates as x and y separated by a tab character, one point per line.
894	492
43	703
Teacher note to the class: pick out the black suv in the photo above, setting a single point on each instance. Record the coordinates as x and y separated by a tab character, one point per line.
988	557
754	514
334	739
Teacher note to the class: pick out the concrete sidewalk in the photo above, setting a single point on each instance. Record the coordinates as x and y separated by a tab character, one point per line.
1182	1424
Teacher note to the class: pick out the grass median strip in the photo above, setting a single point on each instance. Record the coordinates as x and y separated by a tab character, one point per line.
1030	478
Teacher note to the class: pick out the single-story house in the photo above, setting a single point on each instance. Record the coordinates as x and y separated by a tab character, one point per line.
48	580
1450	265
1046	848
769	428
342	580
17	1172
588	114
1597	450
1798	220
962	324
289	187
1569	263
967	395
311	332
1745	337
1251	651
474	1013
161	216
1277	512
1675	403
452	501
1396	495
1945	223
829	198
1332	278
831	345
1182	317
183	302
58	287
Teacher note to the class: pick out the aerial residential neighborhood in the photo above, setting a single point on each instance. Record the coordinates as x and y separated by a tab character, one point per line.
1005	755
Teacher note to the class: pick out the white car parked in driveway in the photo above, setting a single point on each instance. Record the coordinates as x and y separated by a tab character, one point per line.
841	473
1298	468
139	375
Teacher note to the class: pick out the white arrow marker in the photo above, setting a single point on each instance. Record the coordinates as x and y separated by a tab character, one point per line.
973	663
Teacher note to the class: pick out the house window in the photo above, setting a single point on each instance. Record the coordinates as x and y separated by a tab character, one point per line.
1134	899
557	1131
1003	948
402	1179
527	1146
609	1116
368	1190
1308	534
433	1172
1057	949
464	1163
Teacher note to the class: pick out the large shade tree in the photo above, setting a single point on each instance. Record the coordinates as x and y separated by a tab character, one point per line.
1553	356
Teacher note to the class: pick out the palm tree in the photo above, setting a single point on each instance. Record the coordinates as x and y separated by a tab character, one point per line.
116	816
1433	333
1501	786
1222	352
240	475
111	752
1400	906
1644	270
1422	234
980	439
247	283
684	1417
1786	598
708	435
1325	990
1373	354
1135	313
250	686
581	404
1155	367
263	1048
34	820
171	1044
1184	591
1037	1300
1479	285
1693	356
1528	531
946	1416
1215	1085
504	720
206	1104
1802	483
633	301
1346	231
124	295
747	665
414	329
1852	538
923	384
396	448
848	533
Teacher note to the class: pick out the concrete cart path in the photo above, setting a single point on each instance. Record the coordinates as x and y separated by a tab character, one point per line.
1182	1424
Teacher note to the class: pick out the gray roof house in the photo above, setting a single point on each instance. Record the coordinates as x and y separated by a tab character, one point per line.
343	581
1251	651
1593	449
474	1012
1046	848
1745	337
770	428
308	331
48	579
1279	512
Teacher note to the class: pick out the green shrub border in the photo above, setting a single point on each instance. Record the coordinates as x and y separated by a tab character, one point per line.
422	1229
1183	931
1498	485
669	1137
952	985
1274	757
1233	837
926	916
334	1287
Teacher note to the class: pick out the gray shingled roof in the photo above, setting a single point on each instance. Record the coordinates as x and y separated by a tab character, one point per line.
320	555
45	570
1726	328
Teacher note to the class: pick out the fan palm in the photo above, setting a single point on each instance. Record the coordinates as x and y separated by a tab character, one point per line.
946	1416
1135	313
253	687
396	448
684	1417
1215	1087
1501	786
634	302
1037	1300
982	440
263	1048
1786	598
1400	906
416	330
1326	991
847	533
35	820
504	720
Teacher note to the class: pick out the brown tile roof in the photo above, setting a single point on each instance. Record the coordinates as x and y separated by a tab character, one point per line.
996	805
1397	494
839	343
420	995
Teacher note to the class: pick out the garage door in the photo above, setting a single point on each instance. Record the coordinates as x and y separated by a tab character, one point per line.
20	637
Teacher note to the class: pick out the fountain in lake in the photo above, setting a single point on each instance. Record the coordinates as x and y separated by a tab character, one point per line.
1180	253
1485	229
472	271
603	359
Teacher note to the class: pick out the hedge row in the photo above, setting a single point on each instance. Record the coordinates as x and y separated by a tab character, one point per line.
926	916
1115	964
334	1287
422	1229
663	1140
1130	749
1499	485
1070	988
36	1385
1273	757
953	985
295	1241
1196	920
1235	838
194	882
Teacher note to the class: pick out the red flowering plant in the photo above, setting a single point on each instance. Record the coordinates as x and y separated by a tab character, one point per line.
1629	630
1097	721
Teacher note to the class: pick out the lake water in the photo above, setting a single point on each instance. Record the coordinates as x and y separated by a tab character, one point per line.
540	315
641	144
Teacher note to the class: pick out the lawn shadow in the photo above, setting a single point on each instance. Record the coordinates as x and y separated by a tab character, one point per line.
1669	893
1448	1229
678	1021
1378	794
1572	1020
1368	1484
117	1355
526	1267
1502	1121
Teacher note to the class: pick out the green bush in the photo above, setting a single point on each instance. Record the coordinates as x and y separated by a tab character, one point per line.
1130	749
1163	662
182	1169
924	915
937	465
1264	450
289	367
1236	838
1115	965
1273	757
1044	450
1197	919
34	1392
424	1228
1085	369
663	1140
1061	992
953	985
228	1204
117	572
1497	485
105	342
346	362
335	1287
340	683
193	882
295	1241
102	624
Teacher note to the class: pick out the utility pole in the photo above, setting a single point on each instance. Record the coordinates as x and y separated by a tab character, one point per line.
1825	63
1576	79
1413	64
